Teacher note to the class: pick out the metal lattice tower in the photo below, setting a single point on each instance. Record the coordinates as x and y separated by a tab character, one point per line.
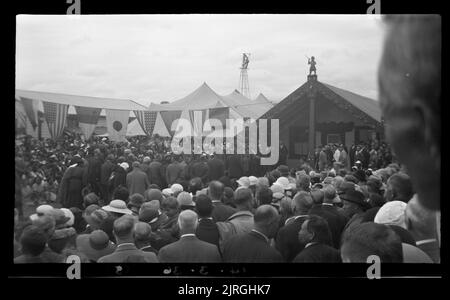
244	87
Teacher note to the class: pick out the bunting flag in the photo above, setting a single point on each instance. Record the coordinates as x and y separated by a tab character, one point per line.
160	128
168	118
147	120
55	114
87	119
198	117
31	110
117	123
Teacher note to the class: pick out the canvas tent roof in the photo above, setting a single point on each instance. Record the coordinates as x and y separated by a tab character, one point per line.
241	103
202	98
86	101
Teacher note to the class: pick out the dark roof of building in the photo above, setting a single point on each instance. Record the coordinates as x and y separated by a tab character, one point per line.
363	106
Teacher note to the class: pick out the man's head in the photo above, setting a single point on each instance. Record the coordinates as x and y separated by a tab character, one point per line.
263	195
187	221
203	206
215	190
121	193
329	194
315	230
243	199
266	220
399	187
33	240
302	203
409	80
142	233
90	199
123	228
369	239
303	182
170	206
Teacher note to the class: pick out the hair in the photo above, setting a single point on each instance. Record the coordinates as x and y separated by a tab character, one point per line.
302	202
401	186
216	189
188	221
368	239
90	199
265	216
204	206
243	196
124	226
329	193
303	182
121	193
319	226
142	232
264	195
33	240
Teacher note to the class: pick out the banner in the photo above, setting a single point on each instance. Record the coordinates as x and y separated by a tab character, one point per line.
55	114
160	128
168	118
87	119
30	107
116	124
147	120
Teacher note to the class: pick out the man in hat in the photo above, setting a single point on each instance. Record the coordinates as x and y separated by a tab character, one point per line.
315	235
105	173
71	184
189	249
173	171
155	172
286	240
33	242
254	246
354	206
136	201
327	210
137	181
94	245
216	168
124	234
221	212
242	220
207	229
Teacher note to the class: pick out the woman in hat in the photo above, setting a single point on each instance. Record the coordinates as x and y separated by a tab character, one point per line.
72	184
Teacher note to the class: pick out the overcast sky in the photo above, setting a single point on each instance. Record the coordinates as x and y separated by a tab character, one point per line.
154	58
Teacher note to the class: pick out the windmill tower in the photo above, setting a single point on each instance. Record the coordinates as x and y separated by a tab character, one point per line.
244	87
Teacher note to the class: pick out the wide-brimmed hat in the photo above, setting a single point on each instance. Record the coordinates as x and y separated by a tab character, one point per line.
41	211
117	206
244	181
284	182
176	188
96	218
68	213
354	196
60	218
284	170
148	215
95	245
253	180
392	213
277	188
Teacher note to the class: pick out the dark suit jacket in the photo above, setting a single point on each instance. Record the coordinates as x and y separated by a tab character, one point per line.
221	212
336	221
250	247
207	231
318	253
287	241
216	169
122	253
189	249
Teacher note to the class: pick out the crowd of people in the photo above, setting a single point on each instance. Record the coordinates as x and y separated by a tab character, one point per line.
138	202
132	202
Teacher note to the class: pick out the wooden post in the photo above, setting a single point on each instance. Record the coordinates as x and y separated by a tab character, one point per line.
312	127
